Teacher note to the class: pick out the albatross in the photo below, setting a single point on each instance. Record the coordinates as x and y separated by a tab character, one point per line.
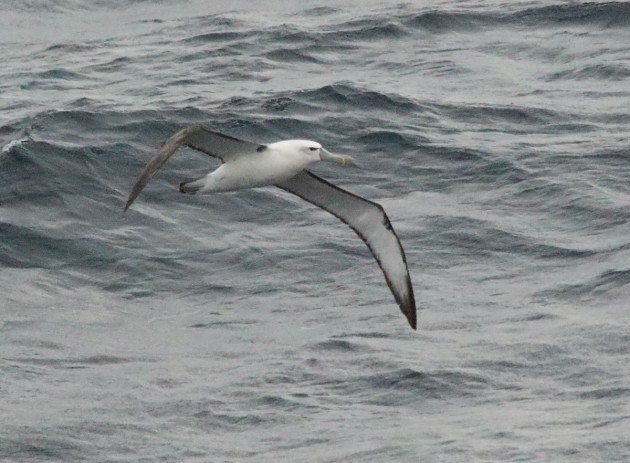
245	164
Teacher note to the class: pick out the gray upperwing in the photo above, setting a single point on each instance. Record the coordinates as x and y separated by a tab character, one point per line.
195	136
219	145
369	221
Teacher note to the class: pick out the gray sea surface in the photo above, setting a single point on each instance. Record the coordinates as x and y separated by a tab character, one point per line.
254	327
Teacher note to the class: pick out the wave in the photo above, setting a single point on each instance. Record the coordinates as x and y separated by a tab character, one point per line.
613	72
610	14
407	385
348	95
595	287
306	42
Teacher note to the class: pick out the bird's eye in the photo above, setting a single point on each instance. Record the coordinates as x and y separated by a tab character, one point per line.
312	148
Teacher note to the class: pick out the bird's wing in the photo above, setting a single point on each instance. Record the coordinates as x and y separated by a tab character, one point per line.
369	221
213	144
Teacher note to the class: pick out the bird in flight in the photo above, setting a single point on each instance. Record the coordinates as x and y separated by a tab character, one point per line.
246	164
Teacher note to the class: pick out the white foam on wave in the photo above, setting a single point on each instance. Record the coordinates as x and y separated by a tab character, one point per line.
12	144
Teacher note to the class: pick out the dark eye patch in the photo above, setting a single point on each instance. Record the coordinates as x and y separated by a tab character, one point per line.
312	148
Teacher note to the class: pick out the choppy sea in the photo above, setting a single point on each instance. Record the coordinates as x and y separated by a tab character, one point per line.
254	327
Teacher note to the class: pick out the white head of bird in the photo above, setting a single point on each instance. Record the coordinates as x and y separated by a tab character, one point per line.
311	151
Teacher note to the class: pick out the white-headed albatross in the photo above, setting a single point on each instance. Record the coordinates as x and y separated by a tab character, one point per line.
283	164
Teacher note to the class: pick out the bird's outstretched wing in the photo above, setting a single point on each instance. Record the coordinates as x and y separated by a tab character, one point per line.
369	221
211	143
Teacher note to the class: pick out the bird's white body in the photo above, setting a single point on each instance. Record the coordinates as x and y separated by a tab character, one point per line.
274	164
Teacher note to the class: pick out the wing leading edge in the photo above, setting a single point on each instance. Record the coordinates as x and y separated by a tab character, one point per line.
211	143
369	221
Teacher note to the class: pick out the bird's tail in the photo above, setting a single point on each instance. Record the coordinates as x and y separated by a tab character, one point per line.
192	187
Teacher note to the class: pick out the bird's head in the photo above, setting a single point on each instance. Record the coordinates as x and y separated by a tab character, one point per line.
318	153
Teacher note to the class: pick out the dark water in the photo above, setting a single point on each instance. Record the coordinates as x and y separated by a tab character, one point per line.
254	327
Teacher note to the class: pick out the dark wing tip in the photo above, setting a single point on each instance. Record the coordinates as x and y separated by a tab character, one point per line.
408	307
132	197
410	313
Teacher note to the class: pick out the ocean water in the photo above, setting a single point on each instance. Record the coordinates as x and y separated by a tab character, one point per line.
253	327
